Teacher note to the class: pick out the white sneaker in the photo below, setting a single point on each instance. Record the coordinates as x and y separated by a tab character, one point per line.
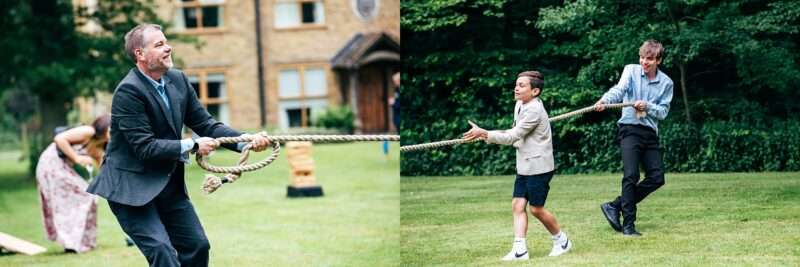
559	249
513	255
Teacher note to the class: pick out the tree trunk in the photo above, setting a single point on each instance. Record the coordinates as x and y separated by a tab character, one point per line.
53	114
23	140
682	67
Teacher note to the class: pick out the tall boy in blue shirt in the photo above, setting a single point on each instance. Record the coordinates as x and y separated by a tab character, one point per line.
651	91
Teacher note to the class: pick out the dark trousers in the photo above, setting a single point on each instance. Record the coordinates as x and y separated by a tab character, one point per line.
166	229
639	146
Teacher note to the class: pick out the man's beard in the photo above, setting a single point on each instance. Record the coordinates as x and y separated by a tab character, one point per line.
158	66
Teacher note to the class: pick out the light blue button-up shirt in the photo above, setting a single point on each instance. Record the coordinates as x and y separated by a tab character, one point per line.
163	93
186	144
633	86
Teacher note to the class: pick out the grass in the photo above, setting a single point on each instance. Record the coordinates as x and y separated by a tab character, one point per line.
715	219
250	222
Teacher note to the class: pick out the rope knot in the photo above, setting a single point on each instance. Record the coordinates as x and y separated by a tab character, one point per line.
212	182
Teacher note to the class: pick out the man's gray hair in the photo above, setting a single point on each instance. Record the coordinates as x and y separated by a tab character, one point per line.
135	38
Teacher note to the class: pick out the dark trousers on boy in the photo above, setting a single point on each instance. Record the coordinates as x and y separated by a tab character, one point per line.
639	146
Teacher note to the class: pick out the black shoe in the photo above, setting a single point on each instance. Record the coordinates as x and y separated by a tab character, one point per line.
630	230
612	215
70	251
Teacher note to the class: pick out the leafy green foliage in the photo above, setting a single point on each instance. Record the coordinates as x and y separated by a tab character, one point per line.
732	147
740	77
340	118
54	59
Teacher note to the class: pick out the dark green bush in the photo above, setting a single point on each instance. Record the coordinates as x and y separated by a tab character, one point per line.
340	118
587	148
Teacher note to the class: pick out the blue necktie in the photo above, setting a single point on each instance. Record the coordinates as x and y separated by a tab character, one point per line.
185	156
163	94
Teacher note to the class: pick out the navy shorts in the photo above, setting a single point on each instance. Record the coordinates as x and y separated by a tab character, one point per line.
534	188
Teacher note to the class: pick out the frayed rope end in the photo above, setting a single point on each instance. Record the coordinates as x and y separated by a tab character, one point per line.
211	183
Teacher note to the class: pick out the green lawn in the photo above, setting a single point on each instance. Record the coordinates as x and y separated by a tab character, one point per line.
715	219
250	222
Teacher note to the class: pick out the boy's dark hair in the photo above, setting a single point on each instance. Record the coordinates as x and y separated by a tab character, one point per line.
536	79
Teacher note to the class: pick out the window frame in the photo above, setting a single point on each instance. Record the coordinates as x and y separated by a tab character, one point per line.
202	80
301	26
200	29
302	98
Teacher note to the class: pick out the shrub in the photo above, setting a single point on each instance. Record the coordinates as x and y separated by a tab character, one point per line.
340	118
719	146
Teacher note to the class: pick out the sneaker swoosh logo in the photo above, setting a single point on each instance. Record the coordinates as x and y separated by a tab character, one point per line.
564	246
520	255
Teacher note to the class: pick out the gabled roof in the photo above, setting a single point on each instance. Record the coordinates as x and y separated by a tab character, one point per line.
365	48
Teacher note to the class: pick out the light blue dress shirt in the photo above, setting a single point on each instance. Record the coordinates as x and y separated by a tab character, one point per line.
634	85
188	143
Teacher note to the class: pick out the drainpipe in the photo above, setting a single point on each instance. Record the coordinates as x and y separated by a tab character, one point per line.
261	94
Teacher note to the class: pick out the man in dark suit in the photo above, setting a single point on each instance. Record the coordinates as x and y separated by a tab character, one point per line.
142	177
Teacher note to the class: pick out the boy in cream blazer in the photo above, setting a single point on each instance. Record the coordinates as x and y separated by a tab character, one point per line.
532	138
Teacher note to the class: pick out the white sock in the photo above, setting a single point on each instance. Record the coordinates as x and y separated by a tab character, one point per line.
519	244
560	237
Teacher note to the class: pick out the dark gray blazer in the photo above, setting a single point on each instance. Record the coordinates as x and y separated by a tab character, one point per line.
144	149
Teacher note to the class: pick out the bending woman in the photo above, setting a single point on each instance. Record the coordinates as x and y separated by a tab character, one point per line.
68	211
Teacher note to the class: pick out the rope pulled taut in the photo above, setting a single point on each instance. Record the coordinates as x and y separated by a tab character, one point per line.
639	114
212	183
574	113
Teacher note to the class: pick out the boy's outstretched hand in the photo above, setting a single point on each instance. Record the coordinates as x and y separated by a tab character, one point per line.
475	133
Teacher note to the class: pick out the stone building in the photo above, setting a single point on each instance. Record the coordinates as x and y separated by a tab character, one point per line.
313	54
280	63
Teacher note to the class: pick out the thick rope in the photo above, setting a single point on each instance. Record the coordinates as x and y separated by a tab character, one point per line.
212	183
570	114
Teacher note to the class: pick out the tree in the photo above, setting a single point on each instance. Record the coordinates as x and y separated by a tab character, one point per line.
56	61
731	61
750	39
22	106
462	65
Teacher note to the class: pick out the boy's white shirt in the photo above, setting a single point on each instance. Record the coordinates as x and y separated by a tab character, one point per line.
532	137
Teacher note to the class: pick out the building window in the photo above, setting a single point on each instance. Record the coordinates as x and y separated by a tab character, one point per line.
212	92
303	92
295	116
199	15
299	14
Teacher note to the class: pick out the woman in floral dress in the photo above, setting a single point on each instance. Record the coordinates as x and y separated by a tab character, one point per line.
68	211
